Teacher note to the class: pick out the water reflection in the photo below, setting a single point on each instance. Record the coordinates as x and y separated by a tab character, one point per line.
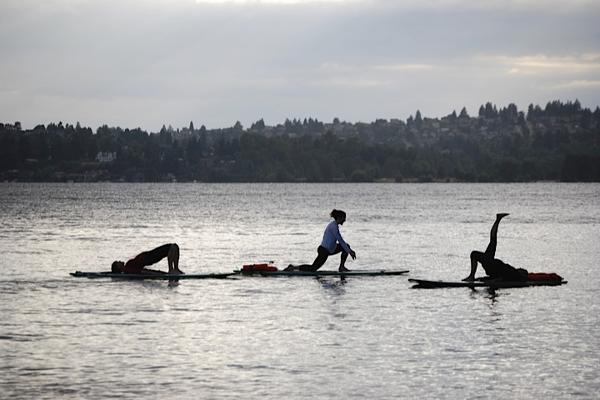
491	294
335	311
149	284
333	285
488	293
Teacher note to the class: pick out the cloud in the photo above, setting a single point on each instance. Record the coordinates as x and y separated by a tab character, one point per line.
336	67
404	67
149	62
580	84
547	65
272	2
423	4
546	5
352	83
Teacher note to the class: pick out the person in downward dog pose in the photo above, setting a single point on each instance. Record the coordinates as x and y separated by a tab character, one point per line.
138	264
495	268
332	243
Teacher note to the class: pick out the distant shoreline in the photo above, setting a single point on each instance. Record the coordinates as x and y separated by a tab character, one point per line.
557	143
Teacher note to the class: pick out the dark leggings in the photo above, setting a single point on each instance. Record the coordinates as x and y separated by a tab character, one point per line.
495	268
155	255
322	255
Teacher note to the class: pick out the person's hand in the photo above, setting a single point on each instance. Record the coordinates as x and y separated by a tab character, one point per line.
353	254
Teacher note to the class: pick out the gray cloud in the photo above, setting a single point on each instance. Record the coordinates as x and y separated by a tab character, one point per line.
144	63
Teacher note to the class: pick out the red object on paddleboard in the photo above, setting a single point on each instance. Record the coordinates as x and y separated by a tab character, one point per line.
544	276
264	267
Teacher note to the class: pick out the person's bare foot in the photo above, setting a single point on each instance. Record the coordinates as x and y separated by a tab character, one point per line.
469	279
289	268
343	269
177	272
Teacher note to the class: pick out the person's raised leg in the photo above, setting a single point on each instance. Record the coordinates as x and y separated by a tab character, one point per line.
490	251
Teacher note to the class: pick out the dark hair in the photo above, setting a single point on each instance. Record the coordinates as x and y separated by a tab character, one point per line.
338	214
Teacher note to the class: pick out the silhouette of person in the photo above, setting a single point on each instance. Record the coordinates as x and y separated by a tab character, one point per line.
332	243
138	264
495	268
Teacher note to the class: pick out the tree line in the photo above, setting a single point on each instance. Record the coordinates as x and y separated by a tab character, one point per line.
559	142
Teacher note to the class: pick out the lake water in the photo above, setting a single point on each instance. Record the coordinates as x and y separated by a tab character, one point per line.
296	338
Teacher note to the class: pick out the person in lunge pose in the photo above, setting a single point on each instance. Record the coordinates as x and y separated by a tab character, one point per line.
495	268
138	264
331	244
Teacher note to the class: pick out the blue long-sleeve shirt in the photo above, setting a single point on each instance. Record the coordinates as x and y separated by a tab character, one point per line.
332	236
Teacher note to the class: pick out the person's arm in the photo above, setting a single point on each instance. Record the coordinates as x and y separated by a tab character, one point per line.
342	242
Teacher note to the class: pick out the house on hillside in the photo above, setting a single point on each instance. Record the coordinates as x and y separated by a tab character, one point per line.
106	157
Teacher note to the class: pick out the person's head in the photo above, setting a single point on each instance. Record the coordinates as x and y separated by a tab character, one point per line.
338	215
117	267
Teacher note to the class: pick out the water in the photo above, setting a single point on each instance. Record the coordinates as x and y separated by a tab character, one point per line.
296	338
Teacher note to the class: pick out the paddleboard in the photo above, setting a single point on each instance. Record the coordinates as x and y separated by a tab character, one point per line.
427	284
95	275
322	273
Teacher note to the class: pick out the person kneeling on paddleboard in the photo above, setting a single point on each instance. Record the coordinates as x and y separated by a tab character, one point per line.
331	244
138	264
495	268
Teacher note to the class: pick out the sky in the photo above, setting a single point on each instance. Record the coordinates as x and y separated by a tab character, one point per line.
149	63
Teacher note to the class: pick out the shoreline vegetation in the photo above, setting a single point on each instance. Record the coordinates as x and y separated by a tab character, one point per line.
560	142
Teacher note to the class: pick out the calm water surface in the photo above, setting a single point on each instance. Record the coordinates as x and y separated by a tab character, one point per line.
67	338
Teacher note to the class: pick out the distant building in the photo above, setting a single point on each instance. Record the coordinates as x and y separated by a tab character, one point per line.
106	157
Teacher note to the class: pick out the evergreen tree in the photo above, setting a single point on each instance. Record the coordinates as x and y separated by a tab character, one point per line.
418	119
463	113
258	125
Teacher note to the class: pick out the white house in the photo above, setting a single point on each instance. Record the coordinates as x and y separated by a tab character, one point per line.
106	157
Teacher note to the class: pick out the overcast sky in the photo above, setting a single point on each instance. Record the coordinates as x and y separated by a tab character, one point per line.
145	63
